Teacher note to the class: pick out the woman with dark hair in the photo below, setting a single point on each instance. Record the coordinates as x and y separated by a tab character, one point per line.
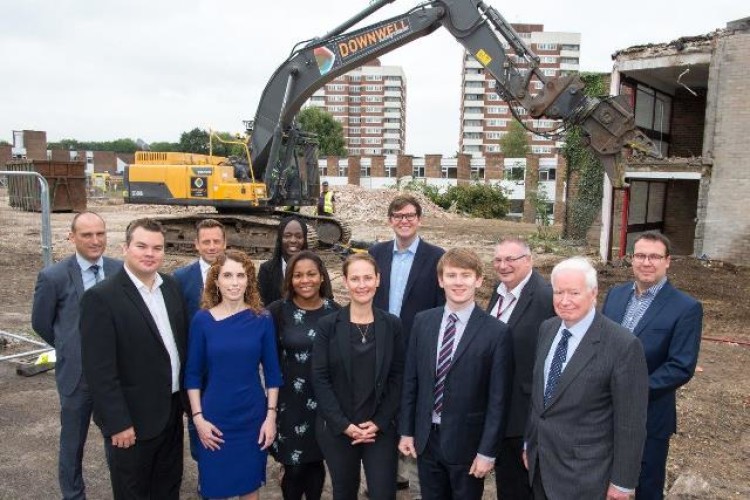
305	300
235	418
291	238
358	368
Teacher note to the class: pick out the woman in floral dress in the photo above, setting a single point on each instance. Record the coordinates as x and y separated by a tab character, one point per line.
307	296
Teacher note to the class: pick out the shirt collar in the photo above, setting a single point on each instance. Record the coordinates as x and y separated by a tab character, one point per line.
205	266
579	329
411	248
140	285
516	292
85	264
463	314
651	291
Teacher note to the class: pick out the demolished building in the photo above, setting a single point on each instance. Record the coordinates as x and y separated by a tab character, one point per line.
692	98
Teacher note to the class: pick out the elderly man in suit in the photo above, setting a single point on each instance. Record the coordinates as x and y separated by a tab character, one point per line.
54	316
408	283
133	338
587	423
456	386
668	323
522	299
210	242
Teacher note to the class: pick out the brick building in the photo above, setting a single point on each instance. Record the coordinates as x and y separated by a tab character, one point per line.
690	98
485	117
370	104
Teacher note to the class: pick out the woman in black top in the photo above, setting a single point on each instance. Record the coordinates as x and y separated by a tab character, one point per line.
306	290
358	365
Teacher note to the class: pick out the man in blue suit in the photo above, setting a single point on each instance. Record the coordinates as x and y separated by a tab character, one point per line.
668	323
54	316
210	242
408	282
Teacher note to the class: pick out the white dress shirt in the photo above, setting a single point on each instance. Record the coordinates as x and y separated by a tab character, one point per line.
510	299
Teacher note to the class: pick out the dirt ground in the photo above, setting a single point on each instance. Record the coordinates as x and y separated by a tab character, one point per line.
713	442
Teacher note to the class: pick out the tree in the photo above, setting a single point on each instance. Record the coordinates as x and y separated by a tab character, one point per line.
194	141
164	146
515	142
330	132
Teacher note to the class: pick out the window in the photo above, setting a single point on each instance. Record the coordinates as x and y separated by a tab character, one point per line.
549	71
355	98
418	171
493	136
494	122
373	98
355	89
364	170
373	109
354	130
335	87
373	78
336	98
472	111
372	130
336	109
354	78
569	60
373	88
492	96
546	46
354	119
355	140
571	47
497	110
541	150
548	59
373	119
548	175
472	135
355	109
514	172
472	123
372	140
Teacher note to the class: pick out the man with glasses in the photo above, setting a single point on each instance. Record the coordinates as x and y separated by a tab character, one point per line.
408	279
522	299
668	323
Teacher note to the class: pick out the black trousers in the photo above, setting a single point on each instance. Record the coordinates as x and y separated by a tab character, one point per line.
511	476
303	480
536	485
379	460
440	480
152	468
653	469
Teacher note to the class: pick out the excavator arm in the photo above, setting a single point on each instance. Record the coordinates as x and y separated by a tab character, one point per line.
609	123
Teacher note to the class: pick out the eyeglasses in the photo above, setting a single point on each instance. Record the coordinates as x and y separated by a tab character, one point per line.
508	260
399	217
652	257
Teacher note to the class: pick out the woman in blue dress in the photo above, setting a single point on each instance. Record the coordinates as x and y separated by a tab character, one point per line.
234	415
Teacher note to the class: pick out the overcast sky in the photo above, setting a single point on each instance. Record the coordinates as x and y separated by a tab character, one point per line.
100	69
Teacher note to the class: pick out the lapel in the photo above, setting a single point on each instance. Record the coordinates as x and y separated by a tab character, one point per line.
472	327
74	273
172	301
381	342
416	267
545	344
433	336
197	279
132	293
493	298
661	300
585	351
524	300
385	272
343	323
111	267
620	298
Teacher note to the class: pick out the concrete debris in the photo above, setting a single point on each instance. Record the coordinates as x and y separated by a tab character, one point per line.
357	204
689	486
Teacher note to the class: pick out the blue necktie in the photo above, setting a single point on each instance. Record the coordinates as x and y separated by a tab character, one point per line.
445	355
555	369
94	268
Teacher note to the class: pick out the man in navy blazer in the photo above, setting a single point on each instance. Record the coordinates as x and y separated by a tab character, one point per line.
54	316
408	282
668	323
456	389
210	242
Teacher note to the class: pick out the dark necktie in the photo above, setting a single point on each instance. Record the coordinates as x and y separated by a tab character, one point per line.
94	268
445	355
555	369
500	309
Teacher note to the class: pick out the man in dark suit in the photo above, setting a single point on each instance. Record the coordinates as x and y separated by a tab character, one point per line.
133	339
408	284
54	316
456	386
523	300
587	423
210	242
668	323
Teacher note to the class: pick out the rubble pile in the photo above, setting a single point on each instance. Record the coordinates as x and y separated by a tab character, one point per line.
357	204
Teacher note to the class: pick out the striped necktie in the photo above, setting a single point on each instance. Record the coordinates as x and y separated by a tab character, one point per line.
445	356
555	369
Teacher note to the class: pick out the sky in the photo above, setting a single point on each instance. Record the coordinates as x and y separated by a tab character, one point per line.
102	69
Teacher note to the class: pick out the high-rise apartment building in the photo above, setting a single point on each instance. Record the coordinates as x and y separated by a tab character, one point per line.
370	103
485	118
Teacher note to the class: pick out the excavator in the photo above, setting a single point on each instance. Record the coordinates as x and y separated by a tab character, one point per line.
282	167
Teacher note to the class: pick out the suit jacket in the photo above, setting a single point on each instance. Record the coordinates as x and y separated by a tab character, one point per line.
422	290
670	332
124	358
593	430
332	369
270	281
190	280
533	307
54	315
476	392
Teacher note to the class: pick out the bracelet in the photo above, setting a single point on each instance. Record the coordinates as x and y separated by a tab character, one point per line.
273	408
196	414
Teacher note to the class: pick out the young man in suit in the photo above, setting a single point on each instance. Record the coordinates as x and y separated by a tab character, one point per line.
522	299
54	316
456	386
133	339
408	284
668	323
210	242
587	423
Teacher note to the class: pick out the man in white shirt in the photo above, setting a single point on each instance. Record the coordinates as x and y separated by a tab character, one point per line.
133	339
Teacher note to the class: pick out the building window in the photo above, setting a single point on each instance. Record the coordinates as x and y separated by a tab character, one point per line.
571	47
354	130
372	130
355	140
514	172
337	98
373	78
549	71
548	59
335	87
354	78
541	150
497	110
418	171
494	122
373	119
373	88
355	89
364	170
373	98
548	174
373	109
546	46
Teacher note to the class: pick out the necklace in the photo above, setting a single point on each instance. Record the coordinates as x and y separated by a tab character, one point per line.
363	332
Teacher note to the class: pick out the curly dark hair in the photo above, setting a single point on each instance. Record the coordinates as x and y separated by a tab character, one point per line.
211	293
326	291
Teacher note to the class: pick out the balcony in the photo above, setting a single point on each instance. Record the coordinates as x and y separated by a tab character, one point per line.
392	126
392	114
474	77
478	129
393	93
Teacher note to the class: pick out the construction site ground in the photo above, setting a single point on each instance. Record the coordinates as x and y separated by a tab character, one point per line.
712	447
